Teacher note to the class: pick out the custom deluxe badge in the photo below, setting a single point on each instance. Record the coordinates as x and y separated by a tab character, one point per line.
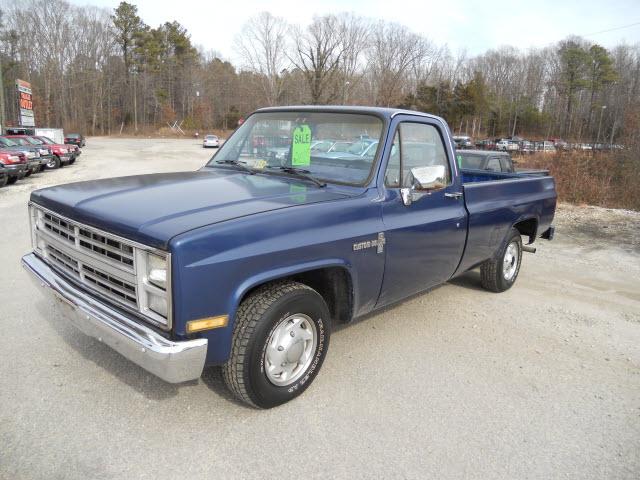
377	243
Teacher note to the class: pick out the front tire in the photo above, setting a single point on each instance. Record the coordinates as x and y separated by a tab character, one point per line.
500	273
280	340
53	163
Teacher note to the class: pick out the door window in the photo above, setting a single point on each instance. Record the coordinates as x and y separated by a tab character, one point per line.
415	145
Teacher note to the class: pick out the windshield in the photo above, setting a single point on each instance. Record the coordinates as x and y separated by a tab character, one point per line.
7	143
291	139
20	141
46	140
33	141
73	135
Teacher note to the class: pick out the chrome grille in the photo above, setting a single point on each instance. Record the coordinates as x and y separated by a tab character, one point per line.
99	261
110	285
110	266
63	260
92	241
59	227
114	249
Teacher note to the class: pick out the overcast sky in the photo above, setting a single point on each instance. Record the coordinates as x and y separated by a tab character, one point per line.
462	24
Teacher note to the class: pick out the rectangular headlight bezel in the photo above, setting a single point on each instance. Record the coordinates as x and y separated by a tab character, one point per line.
145	288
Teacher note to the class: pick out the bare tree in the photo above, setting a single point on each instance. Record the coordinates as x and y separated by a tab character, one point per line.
262	47
318	55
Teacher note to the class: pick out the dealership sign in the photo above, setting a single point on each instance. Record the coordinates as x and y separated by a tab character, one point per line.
25	104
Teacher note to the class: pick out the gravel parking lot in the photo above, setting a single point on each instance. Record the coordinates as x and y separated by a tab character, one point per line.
542	381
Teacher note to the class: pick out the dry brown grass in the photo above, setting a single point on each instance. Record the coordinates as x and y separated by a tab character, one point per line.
610	179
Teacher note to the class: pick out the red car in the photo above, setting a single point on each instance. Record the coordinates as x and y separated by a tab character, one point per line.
73	150
62	154
14	166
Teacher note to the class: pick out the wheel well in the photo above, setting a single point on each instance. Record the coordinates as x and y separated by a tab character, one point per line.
333	284
528	227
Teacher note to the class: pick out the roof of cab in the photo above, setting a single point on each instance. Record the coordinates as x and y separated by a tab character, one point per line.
483	152
378	111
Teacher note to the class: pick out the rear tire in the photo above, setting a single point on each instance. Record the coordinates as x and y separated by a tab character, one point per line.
280	340
12	180
500	273
3	180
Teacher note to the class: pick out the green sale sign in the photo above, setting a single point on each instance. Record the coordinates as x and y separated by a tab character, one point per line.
301	146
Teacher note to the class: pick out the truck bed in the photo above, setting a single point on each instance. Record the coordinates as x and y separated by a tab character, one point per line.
495	201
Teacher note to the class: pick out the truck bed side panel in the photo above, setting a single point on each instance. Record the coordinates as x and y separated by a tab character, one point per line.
496	203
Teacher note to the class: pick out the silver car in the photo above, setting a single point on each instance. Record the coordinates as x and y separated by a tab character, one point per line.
211	141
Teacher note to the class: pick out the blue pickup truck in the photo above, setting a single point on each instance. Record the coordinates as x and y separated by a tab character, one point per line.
247	262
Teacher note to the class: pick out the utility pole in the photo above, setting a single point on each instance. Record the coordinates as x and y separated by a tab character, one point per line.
599	125
2	125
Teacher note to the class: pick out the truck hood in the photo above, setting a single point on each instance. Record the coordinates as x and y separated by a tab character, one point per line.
152	209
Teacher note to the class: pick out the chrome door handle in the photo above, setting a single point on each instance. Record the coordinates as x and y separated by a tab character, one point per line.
453	195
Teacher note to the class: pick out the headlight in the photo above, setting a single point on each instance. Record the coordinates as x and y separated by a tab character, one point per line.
157	270
153	271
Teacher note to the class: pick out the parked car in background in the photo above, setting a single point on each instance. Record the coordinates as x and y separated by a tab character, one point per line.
4	176
486	144
485	160
462	141
492	162
506	145
210	141
321	146
32	153
14	164
62	154
560	144
9	145
74	150
545	147
527	147
46	154
75	139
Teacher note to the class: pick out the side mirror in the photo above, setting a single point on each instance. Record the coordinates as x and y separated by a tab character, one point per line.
424	179
429	178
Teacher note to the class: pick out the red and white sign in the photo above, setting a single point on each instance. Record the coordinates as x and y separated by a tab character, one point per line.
25	104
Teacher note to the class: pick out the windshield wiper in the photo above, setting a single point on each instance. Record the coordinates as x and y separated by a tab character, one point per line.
237	164
298	172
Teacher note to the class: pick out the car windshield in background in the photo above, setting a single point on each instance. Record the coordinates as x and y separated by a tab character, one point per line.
7	143
33	141
46	140
327	146
21	141
73	135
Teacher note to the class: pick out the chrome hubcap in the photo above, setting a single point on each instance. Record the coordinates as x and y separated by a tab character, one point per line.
51	163
510	262
290	349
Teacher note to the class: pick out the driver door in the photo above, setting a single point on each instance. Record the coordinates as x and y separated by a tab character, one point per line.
424	239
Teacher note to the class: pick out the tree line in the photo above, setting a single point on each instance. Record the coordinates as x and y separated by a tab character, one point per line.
105	71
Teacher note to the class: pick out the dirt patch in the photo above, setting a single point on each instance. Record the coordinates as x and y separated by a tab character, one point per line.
597	225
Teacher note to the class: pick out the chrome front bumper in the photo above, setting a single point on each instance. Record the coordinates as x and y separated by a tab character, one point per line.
172	361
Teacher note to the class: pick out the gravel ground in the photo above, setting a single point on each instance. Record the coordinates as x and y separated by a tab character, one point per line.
542	381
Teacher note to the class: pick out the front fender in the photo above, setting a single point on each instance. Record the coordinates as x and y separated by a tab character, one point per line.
216	266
